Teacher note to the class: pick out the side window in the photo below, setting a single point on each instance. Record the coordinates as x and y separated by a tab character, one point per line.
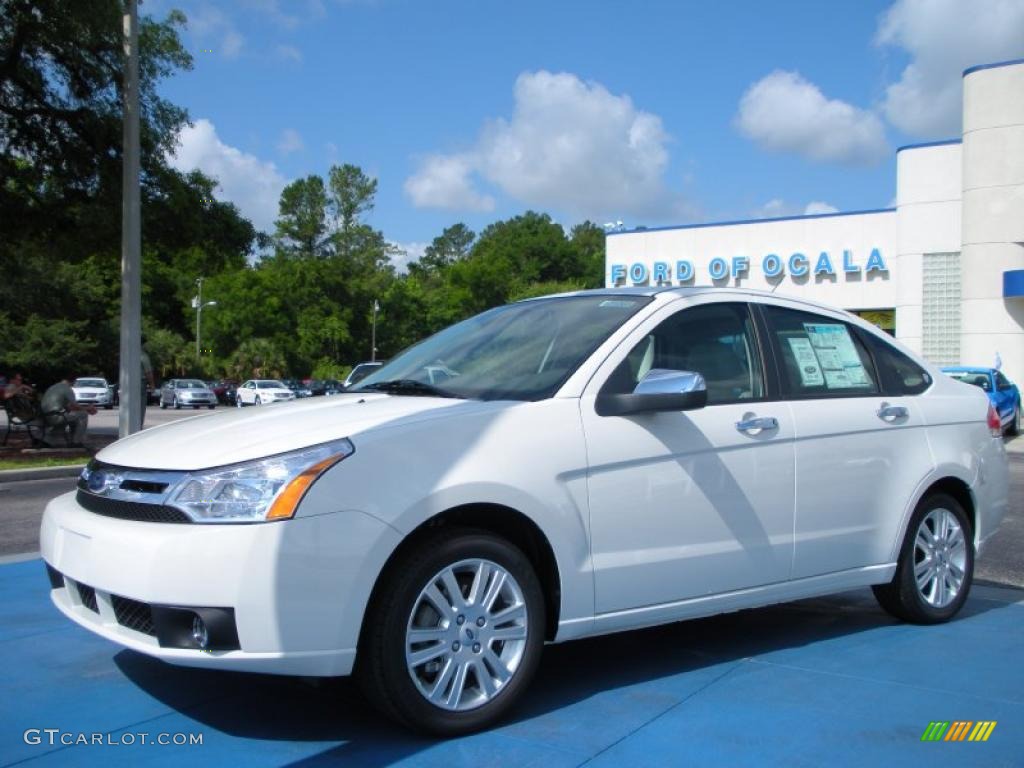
819	356
714	340
1001	381
900	375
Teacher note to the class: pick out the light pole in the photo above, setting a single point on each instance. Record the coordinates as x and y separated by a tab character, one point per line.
130	413
198	303
373	342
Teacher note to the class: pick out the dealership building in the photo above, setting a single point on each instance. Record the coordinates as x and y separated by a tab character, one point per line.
943	270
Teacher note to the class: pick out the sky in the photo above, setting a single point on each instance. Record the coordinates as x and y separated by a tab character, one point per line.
650	113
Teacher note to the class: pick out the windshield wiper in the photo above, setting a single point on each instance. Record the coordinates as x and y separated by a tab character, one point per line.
407	387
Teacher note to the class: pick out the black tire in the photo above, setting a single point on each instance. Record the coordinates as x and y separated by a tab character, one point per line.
901	597
210	407
1014	429
108	407
381	666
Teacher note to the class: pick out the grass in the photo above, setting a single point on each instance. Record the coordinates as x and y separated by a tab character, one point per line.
31	462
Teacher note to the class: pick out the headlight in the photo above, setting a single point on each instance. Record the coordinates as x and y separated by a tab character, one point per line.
255	491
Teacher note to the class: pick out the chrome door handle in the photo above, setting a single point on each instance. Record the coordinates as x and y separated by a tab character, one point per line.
891	413
759	423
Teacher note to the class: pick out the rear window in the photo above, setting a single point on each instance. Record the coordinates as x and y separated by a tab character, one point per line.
819	356
900	375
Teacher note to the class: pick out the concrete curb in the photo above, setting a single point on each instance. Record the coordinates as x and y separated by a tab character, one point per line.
39	473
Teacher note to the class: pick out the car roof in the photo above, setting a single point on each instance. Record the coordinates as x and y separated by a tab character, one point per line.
668	292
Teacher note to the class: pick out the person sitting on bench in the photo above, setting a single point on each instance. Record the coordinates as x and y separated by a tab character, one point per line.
61	411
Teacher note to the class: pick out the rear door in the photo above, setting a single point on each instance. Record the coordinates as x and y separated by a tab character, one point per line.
860	447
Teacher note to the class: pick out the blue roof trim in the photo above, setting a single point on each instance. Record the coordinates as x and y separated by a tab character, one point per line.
751	221
942	143
994	65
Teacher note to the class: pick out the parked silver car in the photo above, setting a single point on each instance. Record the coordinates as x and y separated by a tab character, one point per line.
187	392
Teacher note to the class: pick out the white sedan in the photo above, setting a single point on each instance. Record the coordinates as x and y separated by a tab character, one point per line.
93	391
262	392
594	462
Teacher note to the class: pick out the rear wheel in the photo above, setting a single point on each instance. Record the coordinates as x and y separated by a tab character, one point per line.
936	565
1014	428
455	635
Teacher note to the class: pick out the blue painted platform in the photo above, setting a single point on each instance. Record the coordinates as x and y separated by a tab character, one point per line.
832	681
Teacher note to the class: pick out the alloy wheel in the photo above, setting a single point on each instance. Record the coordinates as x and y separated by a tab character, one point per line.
940	558
466	635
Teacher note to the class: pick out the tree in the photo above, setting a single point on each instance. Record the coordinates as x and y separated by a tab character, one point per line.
302	222
452	245
352	193
258	358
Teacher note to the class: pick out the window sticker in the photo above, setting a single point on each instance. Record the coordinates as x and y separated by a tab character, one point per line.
837	355
807	362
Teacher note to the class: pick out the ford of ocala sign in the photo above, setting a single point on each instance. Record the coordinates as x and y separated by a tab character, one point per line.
773	267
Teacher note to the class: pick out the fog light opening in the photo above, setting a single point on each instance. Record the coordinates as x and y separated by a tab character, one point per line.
200	634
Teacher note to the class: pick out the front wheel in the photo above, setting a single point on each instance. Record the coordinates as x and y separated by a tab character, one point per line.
936	565
455	634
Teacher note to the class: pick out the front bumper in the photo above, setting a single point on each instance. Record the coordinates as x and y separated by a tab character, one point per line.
297	588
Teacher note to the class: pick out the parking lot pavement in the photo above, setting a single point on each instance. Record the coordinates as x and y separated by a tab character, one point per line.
831	680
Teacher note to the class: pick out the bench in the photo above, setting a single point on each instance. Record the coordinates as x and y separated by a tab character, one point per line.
26	413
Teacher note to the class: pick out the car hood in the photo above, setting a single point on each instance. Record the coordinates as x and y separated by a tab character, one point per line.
240	435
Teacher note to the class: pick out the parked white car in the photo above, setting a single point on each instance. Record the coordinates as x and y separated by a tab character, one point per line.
93	391
262	392
596	462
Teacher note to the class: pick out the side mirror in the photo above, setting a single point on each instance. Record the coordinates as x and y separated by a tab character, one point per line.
660	390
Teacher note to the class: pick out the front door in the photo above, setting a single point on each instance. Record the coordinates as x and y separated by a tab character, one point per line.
694	503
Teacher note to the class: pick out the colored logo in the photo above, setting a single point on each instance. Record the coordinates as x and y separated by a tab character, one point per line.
959	730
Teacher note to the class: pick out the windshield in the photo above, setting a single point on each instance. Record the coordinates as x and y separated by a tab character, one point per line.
97	383
191	384
270	385
522	351
970	377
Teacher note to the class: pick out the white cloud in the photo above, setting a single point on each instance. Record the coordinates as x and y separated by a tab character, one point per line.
774	208
406	252
777	207
290	142
215	30
944	37
252	184
783	112
569	145
817	207
289	53
443	181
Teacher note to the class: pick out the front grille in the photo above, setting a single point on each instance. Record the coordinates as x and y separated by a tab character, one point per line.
133	615
131	510
88	597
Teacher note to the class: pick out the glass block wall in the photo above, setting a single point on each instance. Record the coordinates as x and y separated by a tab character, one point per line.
940	342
